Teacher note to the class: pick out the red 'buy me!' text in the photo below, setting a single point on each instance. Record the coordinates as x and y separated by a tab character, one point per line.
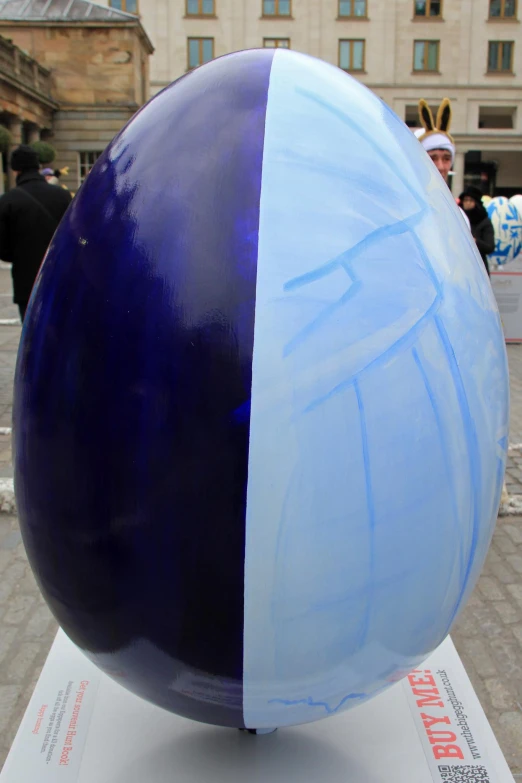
443	740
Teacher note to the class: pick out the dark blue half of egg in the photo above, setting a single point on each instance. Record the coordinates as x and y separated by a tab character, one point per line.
133	390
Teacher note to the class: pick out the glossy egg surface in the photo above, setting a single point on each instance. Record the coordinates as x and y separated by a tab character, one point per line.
261	404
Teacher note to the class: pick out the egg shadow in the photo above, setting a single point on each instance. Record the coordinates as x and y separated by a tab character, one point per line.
232	756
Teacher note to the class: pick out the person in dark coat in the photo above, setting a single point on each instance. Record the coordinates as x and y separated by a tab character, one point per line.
29	216
481	225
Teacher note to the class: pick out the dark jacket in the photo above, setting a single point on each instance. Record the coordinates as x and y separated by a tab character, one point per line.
27	227
482	230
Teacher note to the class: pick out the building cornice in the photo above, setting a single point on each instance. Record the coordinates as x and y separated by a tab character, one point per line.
436	88
492	143
127	23
99	107
19	85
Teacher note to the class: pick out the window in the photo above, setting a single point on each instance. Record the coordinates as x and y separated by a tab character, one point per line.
426	55
277	8
502	9
200	50
200	8
503	117
411	114
351	55
131	6
352	8
276	43
26	133
87	161
430	8
500	56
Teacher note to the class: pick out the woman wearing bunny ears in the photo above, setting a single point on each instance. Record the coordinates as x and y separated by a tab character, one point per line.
436	139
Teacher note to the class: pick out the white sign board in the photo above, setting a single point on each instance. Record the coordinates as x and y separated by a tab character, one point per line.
81	727
507	287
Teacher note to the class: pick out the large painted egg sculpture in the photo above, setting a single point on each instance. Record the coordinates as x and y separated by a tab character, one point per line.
261	400
516	200
507	224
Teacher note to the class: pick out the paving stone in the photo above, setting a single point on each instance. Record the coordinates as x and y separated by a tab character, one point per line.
494	557
517	633
15	572
6	588
516	592
11	540
487	619
512	723
515	561
490	588
505	735
467	627
20	663
19	608
6	558
506	654
40	623
505	544
7	638
500	696
514	531
504	573
478	651
9	695
508	612
27	584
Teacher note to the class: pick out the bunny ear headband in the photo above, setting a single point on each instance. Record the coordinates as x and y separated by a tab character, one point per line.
435	134
442	125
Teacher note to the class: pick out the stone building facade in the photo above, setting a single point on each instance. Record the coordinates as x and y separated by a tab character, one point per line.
469	50
26	103
96	61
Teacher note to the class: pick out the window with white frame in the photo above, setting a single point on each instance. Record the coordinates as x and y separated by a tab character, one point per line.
86	162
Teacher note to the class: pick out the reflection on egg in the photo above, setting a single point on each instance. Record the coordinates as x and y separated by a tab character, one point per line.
261	400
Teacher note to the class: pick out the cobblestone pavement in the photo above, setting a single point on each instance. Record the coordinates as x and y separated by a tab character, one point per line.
9	337
27	630
488	634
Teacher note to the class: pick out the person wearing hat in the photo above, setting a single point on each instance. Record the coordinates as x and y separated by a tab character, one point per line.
29	216
49	176
481	225
436	139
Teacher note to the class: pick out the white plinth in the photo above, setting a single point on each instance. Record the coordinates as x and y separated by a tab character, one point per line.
82	727
507	287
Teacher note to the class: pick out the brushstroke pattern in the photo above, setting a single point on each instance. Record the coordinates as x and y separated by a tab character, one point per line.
373	465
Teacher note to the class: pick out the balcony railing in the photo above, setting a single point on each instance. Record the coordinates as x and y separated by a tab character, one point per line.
14	63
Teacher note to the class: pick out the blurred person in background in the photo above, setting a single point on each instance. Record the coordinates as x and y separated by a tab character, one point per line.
29	216
50	176
58	173
481	225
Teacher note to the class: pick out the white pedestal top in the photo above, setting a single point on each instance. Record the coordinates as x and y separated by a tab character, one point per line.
81	727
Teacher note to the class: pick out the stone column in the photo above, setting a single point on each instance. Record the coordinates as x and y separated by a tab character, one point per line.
15	128
457	186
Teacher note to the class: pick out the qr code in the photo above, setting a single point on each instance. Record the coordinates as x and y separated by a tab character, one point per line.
468	773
